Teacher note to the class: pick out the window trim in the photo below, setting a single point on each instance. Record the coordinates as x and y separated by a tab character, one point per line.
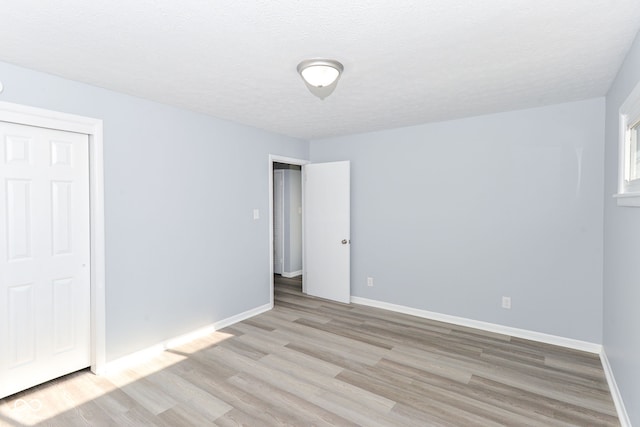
629	117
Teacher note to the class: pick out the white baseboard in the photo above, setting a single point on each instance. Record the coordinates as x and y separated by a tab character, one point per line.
485	326
149	352
291	274
623	417
241	316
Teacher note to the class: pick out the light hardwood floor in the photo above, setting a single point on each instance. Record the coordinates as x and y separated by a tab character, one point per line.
313	362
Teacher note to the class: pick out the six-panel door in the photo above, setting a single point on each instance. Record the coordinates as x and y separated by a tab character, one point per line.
44	255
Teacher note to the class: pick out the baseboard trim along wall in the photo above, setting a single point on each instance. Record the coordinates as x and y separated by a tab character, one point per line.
485	326
149	352
291	274
615	392
142	355
520	333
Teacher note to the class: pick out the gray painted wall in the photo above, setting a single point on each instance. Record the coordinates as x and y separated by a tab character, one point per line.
451	216
480	208
292	221
182	248
622	253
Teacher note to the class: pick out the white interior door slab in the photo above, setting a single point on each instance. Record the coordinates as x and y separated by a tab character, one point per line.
327	254
44	255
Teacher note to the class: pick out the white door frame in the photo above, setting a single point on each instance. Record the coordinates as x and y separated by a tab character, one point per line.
31	116
291	161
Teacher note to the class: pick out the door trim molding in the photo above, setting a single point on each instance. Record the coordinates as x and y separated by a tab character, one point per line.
291	161
32	116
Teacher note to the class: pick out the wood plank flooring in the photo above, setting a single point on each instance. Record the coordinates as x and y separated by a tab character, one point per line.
311	362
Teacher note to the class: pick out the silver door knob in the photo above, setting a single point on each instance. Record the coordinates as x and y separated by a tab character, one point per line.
344	241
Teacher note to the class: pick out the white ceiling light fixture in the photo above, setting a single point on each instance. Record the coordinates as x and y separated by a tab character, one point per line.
320	75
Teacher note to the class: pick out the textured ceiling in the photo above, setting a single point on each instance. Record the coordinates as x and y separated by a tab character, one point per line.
406	62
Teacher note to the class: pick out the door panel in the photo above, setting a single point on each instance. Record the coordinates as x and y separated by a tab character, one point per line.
18	218
62	303
21	314
61	217
327	230
44	264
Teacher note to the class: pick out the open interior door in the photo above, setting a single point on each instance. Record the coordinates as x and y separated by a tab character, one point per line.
327	255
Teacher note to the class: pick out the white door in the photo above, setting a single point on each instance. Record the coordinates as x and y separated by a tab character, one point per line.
278	221
44	255
327	230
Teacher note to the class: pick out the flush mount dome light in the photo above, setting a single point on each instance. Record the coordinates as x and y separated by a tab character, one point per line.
320	75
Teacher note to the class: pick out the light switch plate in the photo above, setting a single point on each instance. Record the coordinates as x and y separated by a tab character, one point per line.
506	302
256	214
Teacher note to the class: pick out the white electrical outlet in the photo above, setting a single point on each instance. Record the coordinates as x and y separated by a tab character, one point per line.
256	214
369	281
506	302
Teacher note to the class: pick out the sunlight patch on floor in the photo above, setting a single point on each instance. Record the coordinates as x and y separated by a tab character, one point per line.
202	343
53	399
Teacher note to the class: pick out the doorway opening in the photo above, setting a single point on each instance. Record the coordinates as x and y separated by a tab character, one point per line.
287	220
286	223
